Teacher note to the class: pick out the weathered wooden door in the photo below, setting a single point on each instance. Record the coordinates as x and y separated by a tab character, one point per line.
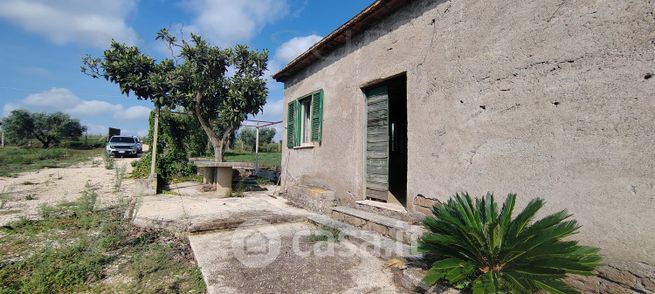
377	143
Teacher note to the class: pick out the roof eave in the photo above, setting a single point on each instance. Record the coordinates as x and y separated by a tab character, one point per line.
367	17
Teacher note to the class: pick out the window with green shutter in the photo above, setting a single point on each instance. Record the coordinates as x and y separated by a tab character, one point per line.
305	120
317	116
291	124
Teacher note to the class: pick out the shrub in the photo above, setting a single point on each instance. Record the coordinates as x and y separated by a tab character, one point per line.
473	245
108	160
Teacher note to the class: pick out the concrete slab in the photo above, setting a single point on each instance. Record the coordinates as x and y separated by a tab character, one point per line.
281	259
199	211
260	244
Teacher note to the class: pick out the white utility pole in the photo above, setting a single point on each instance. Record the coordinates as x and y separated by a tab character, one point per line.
152	179
257	148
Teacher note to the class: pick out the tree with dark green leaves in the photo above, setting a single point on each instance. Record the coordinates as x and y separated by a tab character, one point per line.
249	137
48	128
473	245
219	87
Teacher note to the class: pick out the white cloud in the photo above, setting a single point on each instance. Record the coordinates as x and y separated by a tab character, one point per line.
58	98
272	110
94	107
7	108
229	21
134	113
85	22
294	47
62	99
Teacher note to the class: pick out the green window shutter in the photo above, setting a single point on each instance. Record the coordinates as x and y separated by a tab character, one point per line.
291	124
317	116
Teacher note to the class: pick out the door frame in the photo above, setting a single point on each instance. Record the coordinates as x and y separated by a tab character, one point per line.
364	88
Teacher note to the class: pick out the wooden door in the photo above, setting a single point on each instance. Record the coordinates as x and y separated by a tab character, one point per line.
377	143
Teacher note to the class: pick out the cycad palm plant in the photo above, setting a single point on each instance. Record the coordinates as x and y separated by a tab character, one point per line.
471	241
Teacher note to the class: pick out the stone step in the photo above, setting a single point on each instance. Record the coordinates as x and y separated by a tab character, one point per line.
391	210
378	245
386	226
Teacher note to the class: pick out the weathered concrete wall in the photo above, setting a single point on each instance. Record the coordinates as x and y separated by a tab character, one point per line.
549	98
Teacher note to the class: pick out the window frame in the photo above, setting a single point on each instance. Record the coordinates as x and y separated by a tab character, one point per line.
299	126
305	117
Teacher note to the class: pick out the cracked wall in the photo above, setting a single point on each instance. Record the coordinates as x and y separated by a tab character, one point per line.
551	99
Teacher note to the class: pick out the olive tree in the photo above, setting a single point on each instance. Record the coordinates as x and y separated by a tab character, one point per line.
219	87
48	128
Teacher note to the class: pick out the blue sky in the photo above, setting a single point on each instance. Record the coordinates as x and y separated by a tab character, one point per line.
44	40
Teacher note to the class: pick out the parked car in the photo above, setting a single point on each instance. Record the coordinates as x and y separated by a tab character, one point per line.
139	144
122	146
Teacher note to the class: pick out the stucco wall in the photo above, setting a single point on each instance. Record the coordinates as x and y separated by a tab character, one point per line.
544	98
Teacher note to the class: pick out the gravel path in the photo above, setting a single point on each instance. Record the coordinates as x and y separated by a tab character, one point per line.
22	195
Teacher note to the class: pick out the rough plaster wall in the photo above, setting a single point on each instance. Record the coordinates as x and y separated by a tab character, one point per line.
546	99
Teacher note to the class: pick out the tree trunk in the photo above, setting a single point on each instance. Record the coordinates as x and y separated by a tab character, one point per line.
45	141
153	144
226	137
217	143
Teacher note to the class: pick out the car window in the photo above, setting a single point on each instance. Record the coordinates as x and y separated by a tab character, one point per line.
121	140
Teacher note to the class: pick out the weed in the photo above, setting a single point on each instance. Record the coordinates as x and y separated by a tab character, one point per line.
325	234
46	211
28	183
171	193
30	196
191	178
263	181
108	160
4	198
239	189
14	160
118	178
88	199
76	249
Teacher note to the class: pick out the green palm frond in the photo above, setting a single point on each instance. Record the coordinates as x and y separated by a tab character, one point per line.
472	240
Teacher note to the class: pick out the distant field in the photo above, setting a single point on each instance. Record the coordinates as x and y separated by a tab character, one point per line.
15	160
266	160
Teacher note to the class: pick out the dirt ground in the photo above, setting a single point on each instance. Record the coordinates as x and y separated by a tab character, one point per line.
25	193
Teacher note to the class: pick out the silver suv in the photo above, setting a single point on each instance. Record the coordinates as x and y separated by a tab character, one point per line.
122	146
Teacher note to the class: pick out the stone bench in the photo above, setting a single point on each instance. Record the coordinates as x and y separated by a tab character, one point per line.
219	173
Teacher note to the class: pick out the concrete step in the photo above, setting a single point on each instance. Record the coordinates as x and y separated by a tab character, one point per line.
374	243
391	210
386	226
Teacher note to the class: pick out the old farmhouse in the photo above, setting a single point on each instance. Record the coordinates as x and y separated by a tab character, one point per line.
410	102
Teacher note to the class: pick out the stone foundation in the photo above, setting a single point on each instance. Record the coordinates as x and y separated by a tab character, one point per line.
621	277
311	198
388	227
423	204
